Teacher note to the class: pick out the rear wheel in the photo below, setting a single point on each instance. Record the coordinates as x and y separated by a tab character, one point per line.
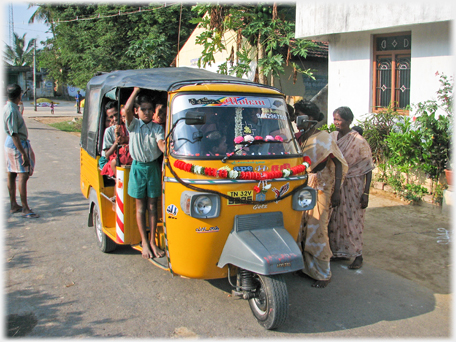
270	304
105	244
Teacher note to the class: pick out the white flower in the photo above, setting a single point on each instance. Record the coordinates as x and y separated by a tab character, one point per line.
286	172
232	174
267	187
198	169
249	138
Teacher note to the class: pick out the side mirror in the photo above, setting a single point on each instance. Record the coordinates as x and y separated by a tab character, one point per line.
195	118
301	120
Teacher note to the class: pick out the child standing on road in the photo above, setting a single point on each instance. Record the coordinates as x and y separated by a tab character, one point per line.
146	145
52	107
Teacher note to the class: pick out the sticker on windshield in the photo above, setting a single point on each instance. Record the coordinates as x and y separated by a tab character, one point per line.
204	101
231	101
271	116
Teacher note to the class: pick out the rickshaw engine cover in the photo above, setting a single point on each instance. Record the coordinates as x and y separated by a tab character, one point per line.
260	243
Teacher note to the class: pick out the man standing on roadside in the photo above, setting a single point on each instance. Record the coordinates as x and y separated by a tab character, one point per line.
20	159
78	102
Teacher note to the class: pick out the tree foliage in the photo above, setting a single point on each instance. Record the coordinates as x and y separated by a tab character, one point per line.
20	53
268	30
82	47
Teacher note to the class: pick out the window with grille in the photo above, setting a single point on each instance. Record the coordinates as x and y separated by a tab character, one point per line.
392	57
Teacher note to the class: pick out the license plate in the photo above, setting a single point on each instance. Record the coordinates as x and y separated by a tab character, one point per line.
241	195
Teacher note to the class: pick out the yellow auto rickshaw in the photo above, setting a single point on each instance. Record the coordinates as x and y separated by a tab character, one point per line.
234	182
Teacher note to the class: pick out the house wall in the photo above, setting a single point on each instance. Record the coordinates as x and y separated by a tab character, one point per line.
349	28
350	65
316	19
190	52
432	52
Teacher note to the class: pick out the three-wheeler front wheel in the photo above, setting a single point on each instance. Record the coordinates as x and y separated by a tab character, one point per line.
270	304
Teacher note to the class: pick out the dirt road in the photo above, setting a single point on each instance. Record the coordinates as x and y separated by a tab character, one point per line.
418	237
58	284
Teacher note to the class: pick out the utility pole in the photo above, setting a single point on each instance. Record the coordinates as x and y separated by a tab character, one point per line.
34	74
11	24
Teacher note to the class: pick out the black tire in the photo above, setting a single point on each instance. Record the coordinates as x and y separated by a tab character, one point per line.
270	305
105	244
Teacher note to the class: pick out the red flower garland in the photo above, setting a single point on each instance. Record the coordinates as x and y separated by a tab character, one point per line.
244	175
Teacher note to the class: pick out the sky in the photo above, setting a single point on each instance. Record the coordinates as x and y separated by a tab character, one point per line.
21	16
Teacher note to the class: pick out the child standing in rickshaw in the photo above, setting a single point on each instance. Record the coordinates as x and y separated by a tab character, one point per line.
146	145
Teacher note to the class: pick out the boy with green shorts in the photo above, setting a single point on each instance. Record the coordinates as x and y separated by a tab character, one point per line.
146	145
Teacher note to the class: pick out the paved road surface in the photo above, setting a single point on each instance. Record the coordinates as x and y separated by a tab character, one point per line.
57	284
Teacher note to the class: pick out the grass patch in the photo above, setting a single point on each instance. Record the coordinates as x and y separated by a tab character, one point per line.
68	126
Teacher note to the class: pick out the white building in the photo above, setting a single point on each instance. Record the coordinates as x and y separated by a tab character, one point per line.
380	52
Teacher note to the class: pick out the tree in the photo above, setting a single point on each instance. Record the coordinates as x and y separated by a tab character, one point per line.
42	13
19	54
265	35
103	37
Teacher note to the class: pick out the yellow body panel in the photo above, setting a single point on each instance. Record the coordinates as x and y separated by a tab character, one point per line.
89	178
225	87
195	248
92	179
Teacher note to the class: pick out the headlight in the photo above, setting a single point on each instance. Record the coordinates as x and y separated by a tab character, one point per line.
200	204
304	199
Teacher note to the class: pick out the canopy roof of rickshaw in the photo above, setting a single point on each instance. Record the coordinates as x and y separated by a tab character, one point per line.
162	79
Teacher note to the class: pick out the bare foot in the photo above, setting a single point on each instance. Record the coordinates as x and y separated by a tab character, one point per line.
157	251
146	252
357	263
321	283
15	209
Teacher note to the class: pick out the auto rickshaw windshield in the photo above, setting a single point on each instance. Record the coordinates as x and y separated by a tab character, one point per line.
253	126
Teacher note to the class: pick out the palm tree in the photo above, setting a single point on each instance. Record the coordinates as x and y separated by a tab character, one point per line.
42	13
19	54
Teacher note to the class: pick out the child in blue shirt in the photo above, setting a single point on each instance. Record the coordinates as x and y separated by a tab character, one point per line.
146	145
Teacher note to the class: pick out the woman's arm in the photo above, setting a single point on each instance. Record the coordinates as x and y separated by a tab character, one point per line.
365	196
335	198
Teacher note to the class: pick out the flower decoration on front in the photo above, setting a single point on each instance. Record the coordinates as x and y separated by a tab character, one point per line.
307	162
238	140
250	138
226	172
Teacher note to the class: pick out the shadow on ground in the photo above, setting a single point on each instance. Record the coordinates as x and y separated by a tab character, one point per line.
353	299
52	323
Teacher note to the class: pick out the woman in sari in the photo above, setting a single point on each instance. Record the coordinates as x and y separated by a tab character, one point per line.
347	220
325	175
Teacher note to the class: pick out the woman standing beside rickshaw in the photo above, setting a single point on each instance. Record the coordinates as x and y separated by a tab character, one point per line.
325	175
